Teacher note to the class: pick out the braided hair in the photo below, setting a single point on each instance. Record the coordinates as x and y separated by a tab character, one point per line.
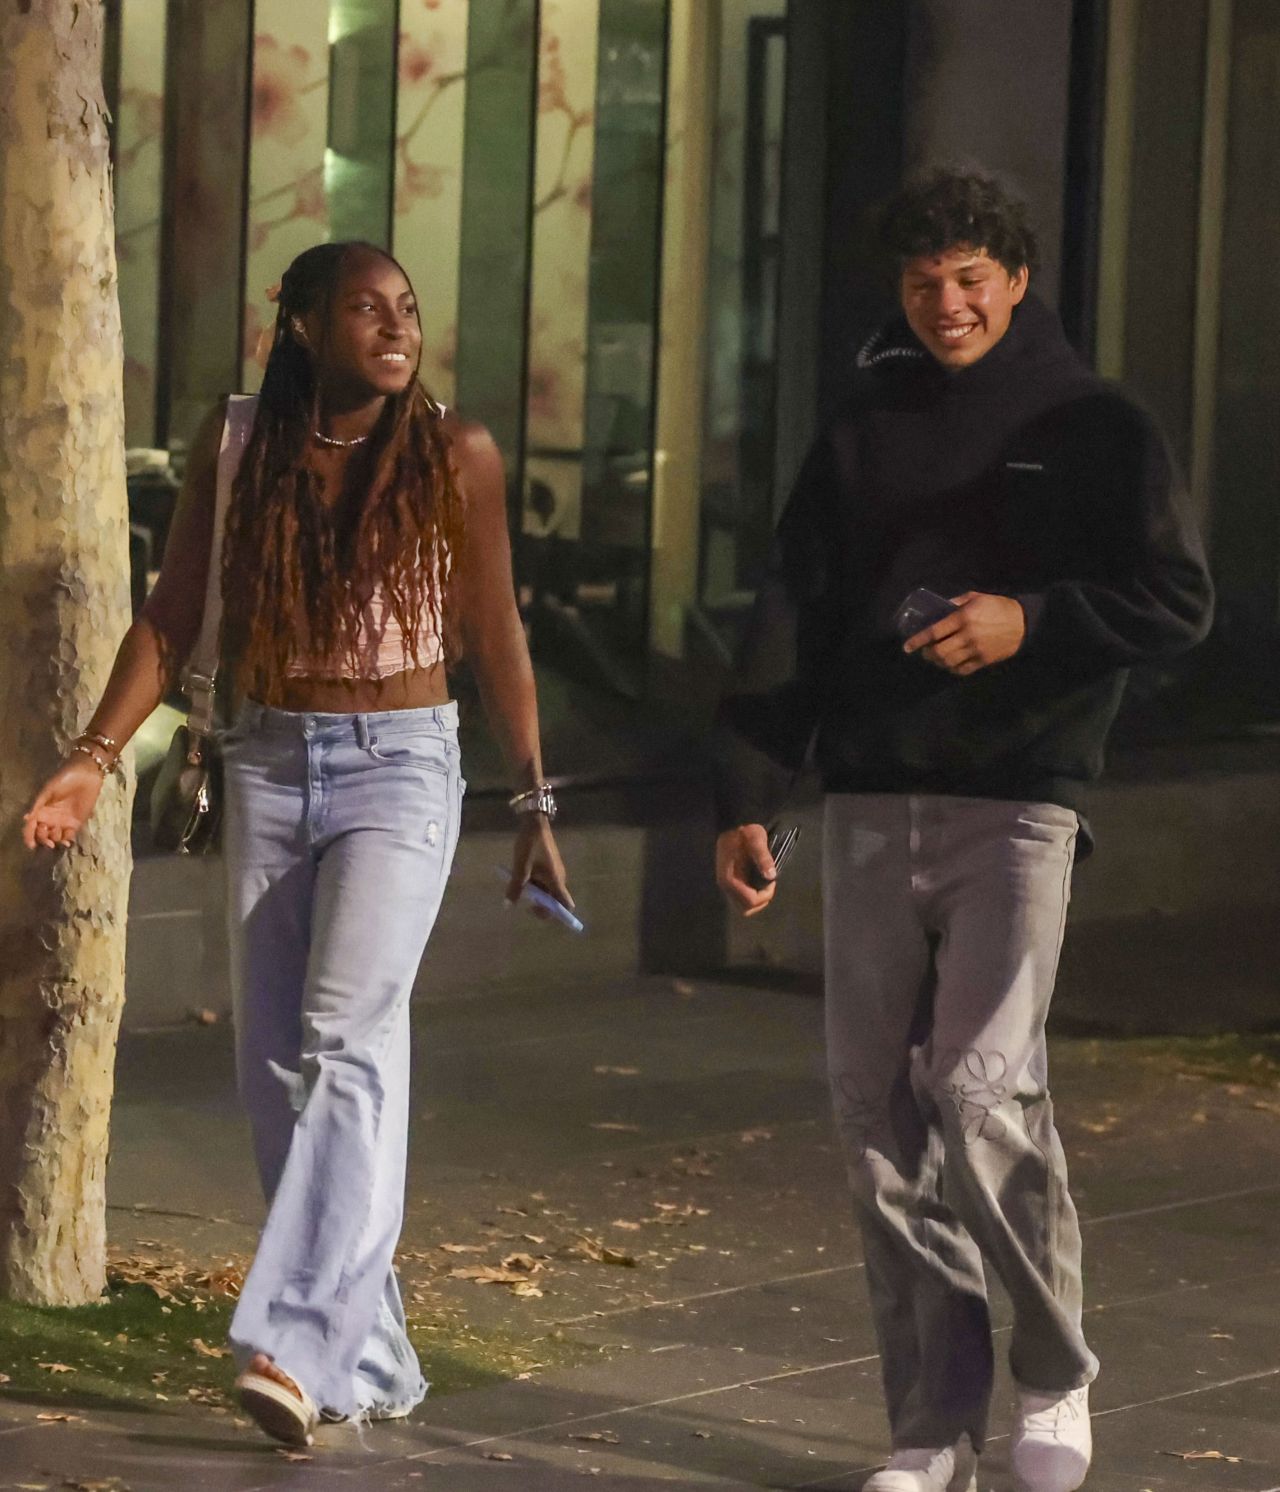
289	555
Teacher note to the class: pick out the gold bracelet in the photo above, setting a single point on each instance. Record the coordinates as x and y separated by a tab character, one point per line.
108	743
103	766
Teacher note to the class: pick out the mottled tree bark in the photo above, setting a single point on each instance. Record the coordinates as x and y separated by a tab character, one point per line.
63	608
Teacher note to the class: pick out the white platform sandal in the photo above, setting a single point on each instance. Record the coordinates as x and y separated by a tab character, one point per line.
277	1410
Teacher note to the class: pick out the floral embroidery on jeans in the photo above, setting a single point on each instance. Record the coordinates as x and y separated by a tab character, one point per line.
976	1091
863	1120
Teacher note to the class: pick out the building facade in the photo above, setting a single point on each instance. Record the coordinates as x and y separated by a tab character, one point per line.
637	231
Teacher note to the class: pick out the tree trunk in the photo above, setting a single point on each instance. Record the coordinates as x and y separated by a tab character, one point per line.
64	605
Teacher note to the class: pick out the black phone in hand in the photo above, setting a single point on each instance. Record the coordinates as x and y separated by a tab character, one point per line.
921	609
781	843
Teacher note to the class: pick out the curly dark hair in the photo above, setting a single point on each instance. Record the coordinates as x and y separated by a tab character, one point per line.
287	554
943	207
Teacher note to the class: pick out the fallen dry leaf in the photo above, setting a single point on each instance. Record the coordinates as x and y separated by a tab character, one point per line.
111	1484
55	1367
487	1274
204	1349
607	1436
526	1290
463	1248
288	1455
175	1279
51	1418
626	1129
750	1136
526	1262
498	1456
620	1222
1202	1456
4	1378
600	1252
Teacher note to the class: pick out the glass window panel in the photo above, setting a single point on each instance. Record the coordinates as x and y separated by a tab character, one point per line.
208	50
362	96
139	185
1246	515
494	232
585	529
429	145
740	409
288	208
320	139
560	268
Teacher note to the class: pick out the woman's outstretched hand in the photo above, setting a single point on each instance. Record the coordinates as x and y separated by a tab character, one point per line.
62	806
537	859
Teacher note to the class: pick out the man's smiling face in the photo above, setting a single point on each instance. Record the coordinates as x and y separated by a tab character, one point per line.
960	303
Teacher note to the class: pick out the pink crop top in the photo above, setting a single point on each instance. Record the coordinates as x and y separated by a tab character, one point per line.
381	651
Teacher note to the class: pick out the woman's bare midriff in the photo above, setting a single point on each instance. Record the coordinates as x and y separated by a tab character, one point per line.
414	689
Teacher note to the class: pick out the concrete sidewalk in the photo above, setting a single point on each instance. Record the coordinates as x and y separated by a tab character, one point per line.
685	1126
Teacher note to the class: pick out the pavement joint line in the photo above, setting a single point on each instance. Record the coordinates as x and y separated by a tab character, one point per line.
559	1039
822	1368
586	1419
626	1409
719	1136
143	1209
1095	1414
1120	1217
1187	1393
677	1301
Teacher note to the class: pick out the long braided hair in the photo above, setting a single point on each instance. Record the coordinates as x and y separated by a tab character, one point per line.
288	555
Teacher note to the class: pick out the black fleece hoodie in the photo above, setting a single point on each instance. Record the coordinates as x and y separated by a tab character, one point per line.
1022	475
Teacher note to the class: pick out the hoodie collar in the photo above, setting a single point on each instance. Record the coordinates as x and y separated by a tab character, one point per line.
1035	336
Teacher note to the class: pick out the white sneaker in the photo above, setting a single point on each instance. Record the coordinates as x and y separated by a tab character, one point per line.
1052	1441
950	1469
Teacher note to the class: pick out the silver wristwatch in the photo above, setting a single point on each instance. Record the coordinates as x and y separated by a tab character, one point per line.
538	799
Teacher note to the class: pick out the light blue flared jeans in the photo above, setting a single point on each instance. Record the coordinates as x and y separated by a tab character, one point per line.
339	834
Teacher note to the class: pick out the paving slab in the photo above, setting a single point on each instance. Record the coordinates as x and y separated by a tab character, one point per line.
685	1125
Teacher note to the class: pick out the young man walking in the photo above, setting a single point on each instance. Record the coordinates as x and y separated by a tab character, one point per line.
980	460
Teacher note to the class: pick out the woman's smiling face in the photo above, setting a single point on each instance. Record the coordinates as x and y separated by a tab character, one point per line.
374	338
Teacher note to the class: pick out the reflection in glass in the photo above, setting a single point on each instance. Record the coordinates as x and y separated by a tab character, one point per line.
362	47
320	139
431	98
138	171
741	394
585	532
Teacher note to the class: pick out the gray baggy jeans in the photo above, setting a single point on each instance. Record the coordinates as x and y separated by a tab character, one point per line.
944	919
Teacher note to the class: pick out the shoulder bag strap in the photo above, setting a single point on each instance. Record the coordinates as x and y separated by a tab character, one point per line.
202	668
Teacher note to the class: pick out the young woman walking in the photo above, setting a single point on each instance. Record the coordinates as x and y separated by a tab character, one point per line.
365	549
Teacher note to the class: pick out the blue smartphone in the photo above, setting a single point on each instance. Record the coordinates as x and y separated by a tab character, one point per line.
535	896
